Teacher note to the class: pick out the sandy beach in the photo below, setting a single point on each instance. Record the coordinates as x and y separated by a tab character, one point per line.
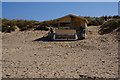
25	55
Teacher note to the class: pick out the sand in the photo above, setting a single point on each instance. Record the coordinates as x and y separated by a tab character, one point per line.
23	57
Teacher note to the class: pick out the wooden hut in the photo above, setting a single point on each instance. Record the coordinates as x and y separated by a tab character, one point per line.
72	21
70	24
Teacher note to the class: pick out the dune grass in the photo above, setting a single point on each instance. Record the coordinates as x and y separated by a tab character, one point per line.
110	26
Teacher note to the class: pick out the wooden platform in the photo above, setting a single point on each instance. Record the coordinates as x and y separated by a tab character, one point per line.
65	31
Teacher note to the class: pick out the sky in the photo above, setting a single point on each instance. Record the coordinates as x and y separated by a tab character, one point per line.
60	0
41	11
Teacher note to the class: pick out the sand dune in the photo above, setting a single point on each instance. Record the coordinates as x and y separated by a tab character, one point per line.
23	57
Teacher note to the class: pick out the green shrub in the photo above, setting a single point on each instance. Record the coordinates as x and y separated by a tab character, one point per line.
11	28
8	25
95	21
8	28
42	28
110	26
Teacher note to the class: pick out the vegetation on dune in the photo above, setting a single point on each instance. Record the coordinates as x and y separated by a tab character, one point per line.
95	21
7	25
108	23
110	26
10	25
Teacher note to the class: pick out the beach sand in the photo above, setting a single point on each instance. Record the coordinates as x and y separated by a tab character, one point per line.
24	55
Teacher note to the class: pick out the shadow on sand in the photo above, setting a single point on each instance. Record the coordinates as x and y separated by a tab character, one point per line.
44	38
48	39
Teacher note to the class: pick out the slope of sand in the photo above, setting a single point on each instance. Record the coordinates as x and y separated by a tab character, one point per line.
95	56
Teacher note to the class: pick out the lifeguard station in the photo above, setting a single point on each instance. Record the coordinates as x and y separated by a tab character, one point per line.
70	27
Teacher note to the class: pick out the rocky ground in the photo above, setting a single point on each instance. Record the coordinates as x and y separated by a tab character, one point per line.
26	56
